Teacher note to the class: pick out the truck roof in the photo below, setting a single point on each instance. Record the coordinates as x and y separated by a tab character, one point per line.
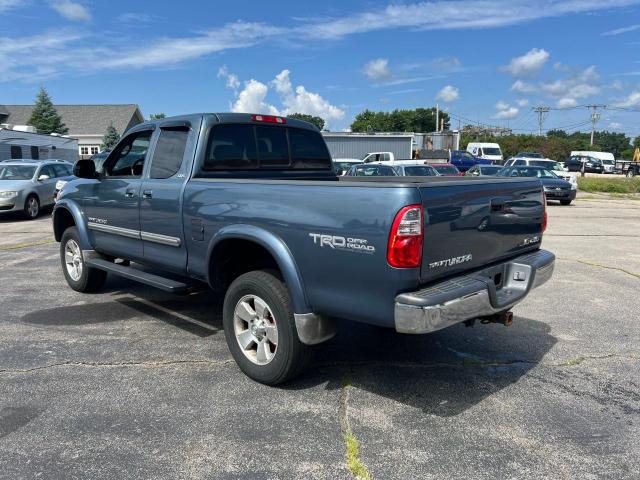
230	117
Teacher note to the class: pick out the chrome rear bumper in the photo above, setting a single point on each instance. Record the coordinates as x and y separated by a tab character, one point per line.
479	294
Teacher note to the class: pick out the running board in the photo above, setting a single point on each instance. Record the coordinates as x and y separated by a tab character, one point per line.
162	283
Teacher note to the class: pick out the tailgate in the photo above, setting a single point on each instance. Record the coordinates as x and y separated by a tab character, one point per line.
470	224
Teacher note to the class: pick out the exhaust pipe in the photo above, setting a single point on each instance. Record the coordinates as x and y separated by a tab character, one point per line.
505	318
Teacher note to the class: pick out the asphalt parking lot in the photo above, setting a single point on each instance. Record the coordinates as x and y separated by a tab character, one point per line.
135	383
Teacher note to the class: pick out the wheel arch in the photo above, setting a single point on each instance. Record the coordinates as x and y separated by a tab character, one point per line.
270	243
67	214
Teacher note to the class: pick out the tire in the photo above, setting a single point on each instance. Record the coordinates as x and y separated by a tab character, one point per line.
631	173
31	207
82	278
262	359
565	202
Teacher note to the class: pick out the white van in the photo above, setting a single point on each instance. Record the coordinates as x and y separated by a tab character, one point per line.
487	151
608	160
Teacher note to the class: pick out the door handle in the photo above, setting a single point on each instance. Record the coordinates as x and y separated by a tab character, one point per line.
129	193
147	194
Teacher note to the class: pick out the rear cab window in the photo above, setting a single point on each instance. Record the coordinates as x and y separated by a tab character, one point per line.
252	147
169	152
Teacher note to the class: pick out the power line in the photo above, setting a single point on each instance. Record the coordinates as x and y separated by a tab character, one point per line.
595	116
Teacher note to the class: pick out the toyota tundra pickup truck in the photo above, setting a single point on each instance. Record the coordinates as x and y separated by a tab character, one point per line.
250	206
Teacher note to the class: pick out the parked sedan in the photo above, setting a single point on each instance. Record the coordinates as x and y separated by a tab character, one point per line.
446	169
372	170
555	188
28	185
416	171
591	164
483	170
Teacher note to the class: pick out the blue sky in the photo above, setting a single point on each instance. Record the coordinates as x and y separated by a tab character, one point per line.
484	61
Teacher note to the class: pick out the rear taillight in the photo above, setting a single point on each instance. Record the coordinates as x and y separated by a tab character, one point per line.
268	119
405	240
544	212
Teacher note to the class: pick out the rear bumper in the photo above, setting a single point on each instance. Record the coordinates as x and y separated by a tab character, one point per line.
560	194
472	296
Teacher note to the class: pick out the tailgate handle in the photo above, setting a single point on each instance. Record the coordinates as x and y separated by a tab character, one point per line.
497	205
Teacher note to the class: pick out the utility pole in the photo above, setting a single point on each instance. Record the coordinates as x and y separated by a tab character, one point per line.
542	113
437	117
595	116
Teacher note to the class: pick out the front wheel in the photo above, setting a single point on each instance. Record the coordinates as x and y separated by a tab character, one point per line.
631	173
79	276
260	329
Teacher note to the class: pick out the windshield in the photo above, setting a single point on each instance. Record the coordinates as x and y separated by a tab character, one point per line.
491	151
608	162
542	163
490	170
16	172
446	169
527	172
344	165
420	172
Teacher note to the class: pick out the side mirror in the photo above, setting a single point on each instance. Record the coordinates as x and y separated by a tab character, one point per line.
42	178
84	169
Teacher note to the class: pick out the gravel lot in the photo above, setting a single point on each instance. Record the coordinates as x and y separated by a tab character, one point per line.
135	383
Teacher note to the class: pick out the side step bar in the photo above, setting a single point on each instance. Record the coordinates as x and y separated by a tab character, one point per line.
162	283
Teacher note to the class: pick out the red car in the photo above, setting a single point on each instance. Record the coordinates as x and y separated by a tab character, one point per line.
446	169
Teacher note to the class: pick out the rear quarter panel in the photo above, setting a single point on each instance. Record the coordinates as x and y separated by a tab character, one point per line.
339	282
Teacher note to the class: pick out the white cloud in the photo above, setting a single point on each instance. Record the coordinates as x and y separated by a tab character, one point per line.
446	15
618	31
377	69
523	87
133	17
504	111
527	64
253	98
617	85
567	102
522	102
449	93
446	63
615	126
632	100
301	100
232	79
71	10
579	84
6	5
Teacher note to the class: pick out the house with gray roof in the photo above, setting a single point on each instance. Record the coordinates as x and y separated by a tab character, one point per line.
87	123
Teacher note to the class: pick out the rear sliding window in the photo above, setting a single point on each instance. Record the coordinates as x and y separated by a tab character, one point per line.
244	147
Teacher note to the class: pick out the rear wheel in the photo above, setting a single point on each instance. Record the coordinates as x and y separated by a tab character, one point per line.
260	329
31	207
79	277
631	172
565	202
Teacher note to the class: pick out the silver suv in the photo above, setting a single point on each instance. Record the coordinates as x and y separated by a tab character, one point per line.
30	185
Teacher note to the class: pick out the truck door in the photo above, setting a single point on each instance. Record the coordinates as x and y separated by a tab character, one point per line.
113	209
161	198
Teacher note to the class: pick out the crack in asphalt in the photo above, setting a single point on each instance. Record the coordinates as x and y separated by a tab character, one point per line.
351	443
599	265
161	363
343	401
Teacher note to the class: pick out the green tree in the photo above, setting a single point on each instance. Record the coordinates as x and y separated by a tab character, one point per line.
45	116
317	121
417	120
110	139
636	142
157	116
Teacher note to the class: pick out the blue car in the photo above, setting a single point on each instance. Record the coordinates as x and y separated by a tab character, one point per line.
463	160
555	188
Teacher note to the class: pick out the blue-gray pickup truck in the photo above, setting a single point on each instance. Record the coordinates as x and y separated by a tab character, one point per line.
251	206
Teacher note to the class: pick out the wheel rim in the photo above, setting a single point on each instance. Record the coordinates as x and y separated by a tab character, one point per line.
255	329
32	207
73	260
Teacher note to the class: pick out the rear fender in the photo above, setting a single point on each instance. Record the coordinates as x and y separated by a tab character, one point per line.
278	250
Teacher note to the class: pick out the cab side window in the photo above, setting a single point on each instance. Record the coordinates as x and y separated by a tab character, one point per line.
127	160
48	171
169	152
